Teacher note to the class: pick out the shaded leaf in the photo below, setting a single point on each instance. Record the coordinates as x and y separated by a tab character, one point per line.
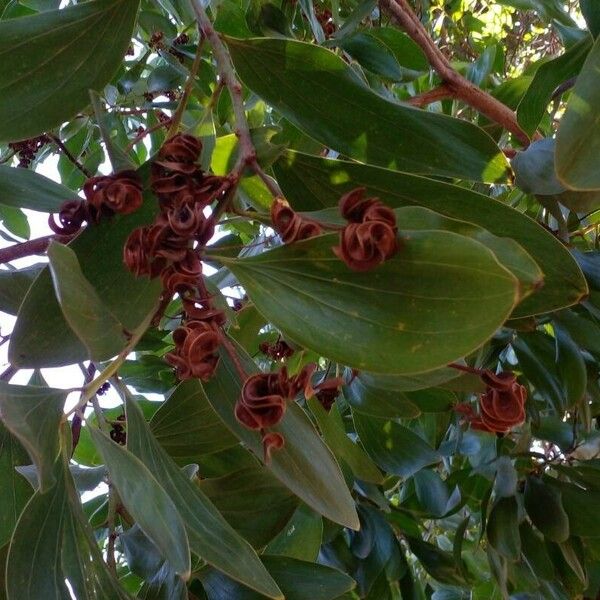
395	448
14	285
352	119
147	502
333	432
254	503
305	464
298	580
578	138
503	528
45	70
186	425
33	415
83	309
301	537
210	536
545	509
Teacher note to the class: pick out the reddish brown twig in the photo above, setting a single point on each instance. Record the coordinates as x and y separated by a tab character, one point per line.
36	246
69	155
460	87
439	93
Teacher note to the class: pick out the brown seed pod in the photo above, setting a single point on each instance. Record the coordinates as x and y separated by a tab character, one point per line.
366	245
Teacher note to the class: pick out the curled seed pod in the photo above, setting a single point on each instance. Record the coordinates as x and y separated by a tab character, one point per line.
378	211
353	205
135	253
195	345
502	406
327	391
71	216
183	276
366	245
201	310
271	441
118	193
290	225
181	148
263	401
186	220
276	351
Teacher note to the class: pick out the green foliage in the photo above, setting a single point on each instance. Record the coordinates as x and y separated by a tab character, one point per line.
385	460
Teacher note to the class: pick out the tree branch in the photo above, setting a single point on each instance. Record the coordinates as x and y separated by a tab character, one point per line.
460	87
68	154
247	157
439	93
36	246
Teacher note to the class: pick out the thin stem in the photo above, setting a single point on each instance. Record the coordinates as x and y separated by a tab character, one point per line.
439	93
465	368
247	156
230	349
460	87
113	500
36	246
187	90
138	138
69	155
89	391
8	373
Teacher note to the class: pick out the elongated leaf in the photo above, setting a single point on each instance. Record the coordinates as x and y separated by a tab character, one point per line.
322	96
439	564
305	464
386	320
546	79
45	62
545	509
311	183
23	188
210	536
571	367
334	434
83	309
186	425
33	415
301	538
14	286
147	502
395	448
578	139
42	337
591	12
15	489
299	580
503	528
253	502
52	543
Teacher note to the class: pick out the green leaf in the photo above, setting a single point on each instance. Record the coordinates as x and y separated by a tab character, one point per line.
368	399
571	367
545	509
578	138
547	78
147	502
22	188
591	13
576	503
45	62
386	320
298	580
210	536
83	309
352	119
14	285
33	415
333	432
503	528
15	489
301	538
54	543
395	448
186	426
534	551
312	183
253	502
42	337
305	464
439	564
